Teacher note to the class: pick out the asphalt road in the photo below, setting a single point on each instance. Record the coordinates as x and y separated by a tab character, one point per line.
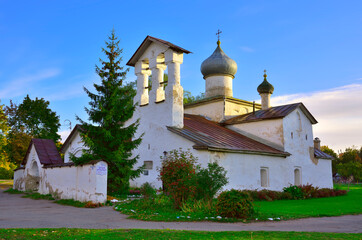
17	212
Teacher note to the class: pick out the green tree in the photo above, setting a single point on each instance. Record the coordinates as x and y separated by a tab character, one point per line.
35	118
110	138
351	164
4	129
188	98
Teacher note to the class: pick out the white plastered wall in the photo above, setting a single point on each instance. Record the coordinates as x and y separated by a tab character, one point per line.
269	132
301	147
213	110
82	183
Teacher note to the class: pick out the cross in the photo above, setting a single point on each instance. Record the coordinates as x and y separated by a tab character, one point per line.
218	34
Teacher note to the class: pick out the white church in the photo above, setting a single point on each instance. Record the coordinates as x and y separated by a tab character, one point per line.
260	146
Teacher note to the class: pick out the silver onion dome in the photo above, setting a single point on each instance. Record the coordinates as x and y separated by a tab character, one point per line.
218	64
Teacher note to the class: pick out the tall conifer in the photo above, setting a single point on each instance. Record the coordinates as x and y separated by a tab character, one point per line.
107	136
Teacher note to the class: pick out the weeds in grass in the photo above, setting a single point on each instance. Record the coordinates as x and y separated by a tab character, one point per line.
71	202
38	196
13	191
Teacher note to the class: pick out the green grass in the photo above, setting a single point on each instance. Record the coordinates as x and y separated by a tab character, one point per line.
162	210
13	191
71	202
37	196
162	234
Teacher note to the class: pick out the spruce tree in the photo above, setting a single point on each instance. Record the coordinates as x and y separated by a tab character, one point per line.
106	134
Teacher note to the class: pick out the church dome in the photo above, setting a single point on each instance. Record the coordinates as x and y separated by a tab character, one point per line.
265	86
218	64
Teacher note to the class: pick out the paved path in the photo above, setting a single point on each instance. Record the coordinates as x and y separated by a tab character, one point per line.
17	212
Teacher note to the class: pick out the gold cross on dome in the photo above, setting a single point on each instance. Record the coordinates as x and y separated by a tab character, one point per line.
218	34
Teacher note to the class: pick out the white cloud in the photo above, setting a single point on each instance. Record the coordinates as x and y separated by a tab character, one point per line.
338	112
246	49
21	85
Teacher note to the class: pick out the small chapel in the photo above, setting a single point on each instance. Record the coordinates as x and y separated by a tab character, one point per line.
259	145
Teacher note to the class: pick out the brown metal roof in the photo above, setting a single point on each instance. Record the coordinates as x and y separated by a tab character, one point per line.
270	113
68	140
146	43
320	154
46	151
210	135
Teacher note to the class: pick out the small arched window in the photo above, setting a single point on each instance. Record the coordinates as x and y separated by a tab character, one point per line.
299	122
264	177
297	177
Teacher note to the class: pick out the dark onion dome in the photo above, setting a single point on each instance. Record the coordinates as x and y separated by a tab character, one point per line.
265	86
218	64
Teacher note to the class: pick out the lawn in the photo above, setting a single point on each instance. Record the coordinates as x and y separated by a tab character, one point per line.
162	234
162	210
318	207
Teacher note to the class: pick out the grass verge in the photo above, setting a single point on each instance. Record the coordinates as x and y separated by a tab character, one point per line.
13	191
162	234
71	202
37	196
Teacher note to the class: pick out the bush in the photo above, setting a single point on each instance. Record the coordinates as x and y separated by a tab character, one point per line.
308	190
210	181
295	191
6	174
234	204
148	191
178	175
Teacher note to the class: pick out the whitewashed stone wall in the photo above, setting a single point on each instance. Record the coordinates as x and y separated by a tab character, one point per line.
298	140
82	183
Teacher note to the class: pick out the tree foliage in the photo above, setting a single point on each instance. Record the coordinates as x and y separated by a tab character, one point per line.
35	118
4	129
189	98
348	164
107	136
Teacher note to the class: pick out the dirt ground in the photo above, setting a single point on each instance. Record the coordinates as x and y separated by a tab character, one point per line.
17	212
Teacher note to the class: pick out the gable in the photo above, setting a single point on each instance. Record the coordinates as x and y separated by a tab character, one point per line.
46	150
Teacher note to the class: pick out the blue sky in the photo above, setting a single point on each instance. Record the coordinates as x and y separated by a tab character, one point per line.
311	50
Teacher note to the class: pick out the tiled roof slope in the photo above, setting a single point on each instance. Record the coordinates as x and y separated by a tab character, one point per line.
320	154
270	113
210	135
46	151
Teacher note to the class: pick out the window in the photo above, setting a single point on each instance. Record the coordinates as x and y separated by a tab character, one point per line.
297	176
291	135
264	177
148	166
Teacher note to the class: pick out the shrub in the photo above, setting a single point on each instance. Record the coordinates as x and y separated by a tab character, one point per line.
5	173
308	190
210	181
178	175
148	191
295	191
234	204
